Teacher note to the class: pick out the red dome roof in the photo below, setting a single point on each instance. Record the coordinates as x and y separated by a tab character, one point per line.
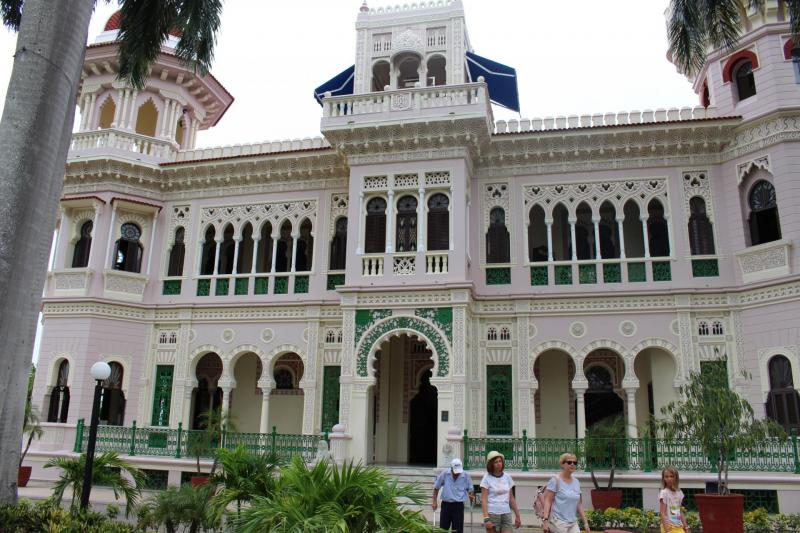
115	19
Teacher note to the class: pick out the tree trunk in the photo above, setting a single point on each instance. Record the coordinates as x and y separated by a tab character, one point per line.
34	138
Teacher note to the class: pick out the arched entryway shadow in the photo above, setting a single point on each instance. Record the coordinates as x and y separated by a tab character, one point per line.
422	424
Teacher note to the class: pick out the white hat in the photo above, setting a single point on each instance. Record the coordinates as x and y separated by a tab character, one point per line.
456	466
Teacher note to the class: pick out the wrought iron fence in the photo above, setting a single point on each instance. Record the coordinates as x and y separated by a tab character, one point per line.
166	442
636	454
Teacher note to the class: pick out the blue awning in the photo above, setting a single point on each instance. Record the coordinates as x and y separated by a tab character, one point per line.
501	80
339	85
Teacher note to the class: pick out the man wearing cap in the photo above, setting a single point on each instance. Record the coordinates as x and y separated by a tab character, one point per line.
456	486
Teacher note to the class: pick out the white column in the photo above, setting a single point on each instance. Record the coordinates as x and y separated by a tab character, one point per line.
187	406
110	236
669	235
422	237
84	112
218	242
572	222
263	426
630	394
274	252
450	225
580	412
236	241
362	214
118	108
152	242
646	237
295	238
549	223
390	224
123	114
226	398
131	122
90	114
61	226
162	123
597	252
97	211
309	393
255	254
621	237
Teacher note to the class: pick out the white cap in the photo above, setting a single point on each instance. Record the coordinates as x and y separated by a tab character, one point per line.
456	465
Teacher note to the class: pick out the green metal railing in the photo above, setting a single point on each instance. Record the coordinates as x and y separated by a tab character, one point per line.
636	454
166	442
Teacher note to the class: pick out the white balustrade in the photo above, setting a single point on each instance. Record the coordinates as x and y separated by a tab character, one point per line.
372	265
403	100
266	147
436	262
126	141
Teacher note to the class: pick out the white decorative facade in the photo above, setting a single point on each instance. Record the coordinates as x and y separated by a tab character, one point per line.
421	270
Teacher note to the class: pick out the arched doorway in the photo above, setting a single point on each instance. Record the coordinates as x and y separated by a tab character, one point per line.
604	371
655	369
207	396
403	404
554	401
286	397
245	402
112	403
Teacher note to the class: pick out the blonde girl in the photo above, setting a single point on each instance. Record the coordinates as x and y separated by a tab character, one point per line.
670	502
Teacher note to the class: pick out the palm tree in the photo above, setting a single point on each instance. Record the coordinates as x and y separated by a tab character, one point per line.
327	498
107	470
185	506
213	425
244	476
34	139
693	26
32	428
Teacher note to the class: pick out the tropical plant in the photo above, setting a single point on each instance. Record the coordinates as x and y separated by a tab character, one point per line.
106	470
32	428
694	26
202	442
243	476
330	498
35	134
716	418
604	445
47	517
173	508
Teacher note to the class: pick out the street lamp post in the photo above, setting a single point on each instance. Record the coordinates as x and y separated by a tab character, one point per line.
100	371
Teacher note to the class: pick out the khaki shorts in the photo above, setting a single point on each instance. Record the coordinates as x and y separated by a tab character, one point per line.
502	522
560	526
672	529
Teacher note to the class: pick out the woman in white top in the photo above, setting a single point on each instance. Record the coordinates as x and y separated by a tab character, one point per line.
497	497
562	500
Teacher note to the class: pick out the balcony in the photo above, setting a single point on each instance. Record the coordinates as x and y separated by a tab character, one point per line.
69	281
765	261
125	144
257	284
120	285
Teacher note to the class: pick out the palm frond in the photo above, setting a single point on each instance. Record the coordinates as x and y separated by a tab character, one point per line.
11	11
199	23
144	25
686	35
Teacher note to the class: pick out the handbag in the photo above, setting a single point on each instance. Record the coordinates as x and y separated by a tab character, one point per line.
538	500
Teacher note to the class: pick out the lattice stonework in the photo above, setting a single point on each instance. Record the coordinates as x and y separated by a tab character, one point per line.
339	204
408	323
330	397
499	419
496	195
238	215
404	266
406	181
162	395
696	183
365	318
437	179
376	183
594	193
441	317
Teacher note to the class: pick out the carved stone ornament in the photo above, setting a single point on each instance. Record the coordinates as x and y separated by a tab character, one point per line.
408	41
743	169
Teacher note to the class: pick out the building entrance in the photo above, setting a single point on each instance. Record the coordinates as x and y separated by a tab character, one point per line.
403	404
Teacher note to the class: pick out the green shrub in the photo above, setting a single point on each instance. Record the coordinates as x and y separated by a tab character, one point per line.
634	519
48	517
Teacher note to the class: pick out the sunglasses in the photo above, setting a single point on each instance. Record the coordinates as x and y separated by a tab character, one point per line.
573	463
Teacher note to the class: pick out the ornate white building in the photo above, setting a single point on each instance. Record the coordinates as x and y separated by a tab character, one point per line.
420	269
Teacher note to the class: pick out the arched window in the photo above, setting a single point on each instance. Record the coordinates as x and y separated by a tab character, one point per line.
283	254
80	255
112	403
380	76
705	98
305	248
244	263
537	235
437	71
107	112
406	224
226	249
562	236
59	397
209	252
498	248
128	250
657	231
632	230
375	227
599	379
407	70
584	232
438	222
745	81
701	232
176	254
702	328
146	119
783	401
338	258
609	231
763	220
264	259
179	131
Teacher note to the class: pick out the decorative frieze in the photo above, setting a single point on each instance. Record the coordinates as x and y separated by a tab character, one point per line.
743	169
403	323
595	193
275	212
124	285
338	208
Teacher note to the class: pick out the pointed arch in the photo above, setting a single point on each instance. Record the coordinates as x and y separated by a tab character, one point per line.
393	326
147	118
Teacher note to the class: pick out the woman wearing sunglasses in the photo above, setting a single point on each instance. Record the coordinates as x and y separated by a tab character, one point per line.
562	500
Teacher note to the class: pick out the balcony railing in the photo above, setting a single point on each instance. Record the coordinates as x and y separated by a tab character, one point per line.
593	271
638	454
765	261
166	442
86	143
256	284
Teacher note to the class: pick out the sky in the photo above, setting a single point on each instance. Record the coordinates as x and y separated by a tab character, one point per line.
572	57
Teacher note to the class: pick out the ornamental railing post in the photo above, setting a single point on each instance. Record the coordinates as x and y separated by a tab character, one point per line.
79	436
524	450
223	437
178	441
466	450
133	439
648	454
273	439
796	453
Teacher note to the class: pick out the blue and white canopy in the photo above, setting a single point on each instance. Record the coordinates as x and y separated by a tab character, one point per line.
339	85
501	80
